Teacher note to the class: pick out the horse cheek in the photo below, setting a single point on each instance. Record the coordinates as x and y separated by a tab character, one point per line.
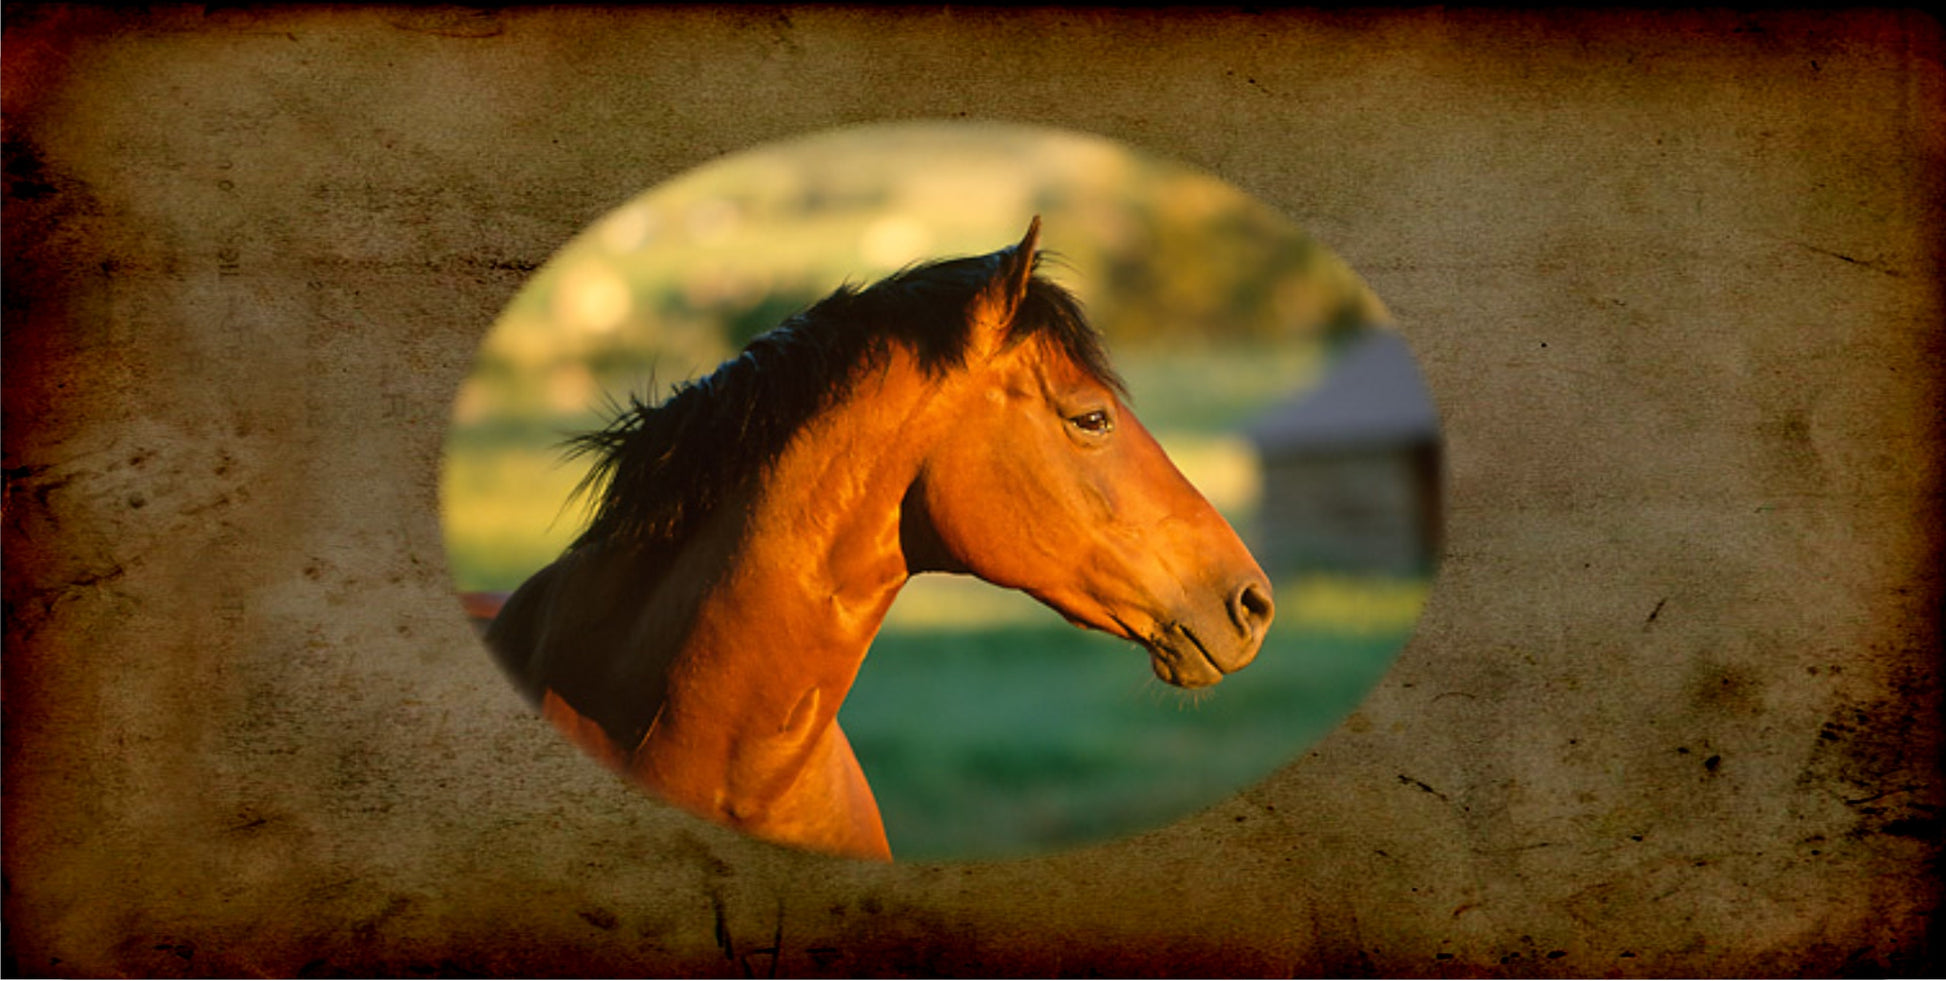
945	516
985	515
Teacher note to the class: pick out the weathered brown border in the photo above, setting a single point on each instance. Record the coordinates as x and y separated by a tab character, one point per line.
1674	708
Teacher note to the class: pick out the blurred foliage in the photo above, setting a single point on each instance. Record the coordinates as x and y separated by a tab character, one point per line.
676	280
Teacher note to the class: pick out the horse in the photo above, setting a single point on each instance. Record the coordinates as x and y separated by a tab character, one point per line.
749	533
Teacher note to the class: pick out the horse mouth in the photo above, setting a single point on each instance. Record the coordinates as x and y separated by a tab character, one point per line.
1179	658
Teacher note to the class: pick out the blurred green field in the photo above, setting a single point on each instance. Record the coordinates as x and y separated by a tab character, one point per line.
1031	735
506	511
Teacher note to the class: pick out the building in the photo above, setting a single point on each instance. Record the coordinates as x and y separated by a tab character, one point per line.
1351	468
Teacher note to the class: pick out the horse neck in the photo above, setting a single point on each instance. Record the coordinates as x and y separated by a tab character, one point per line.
806	579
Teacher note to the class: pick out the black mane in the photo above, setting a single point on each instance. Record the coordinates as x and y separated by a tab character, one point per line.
660	468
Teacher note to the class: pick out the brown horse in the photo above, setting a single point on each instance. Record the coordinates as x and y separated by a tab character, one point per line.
751	531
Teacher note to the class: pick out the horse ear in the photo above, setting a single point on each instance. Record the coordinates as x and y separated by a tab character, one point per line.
999	300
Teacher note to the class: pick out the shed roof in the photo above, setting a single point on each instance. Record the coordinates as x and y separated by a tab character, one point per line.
1372	394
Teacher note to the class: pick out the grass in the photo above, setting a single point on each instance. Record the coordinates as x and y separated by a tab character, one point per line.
1030	736
506	512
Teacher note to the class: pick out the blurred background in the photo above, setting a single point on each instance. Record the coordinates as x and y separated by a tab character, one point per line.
989	727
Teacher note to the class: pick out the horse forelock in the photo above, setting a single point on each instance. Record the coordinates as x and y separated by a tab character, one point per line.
660	468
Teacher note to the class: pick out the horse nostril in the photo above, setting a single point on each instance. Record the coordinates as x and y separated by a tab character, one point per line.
1252	609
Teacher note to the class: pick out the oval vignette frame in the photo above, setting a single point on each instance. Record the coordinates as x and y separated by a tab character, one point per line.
1291	404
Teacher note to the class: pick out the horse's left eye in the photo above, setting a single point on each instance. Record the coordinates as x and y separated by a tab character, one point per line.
1097	422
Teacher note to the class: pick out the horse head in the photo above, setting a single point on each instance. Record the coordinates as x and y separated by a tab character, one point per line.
1040	479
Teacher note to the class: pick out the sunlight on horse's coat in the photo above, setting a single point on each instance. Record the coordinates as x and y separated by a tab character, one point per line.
752	532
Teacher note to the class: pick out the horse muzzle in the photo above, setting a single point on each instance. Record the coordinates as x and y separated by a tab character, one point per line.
1196	652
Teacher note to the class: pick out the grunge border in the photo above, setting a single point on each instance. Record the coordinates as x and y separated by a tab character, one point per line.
1673	707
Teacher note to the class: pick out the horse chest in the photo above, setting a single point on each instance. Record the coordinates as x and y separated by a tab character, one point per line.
803	788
